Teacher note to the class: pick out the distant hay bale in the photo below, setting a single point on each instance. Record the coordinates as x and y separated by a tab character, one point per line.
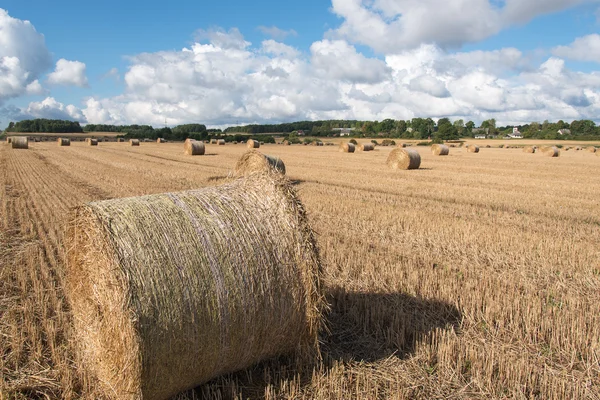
591	149
92	142
529	149
365	147
194	148
252	144
254	161
488	146
550	151
134	142
319	143
63	142
286	143
20	142
169	291
160	140
120	140
440	150
347	147
404	159
578	148
221	142
473	148
213	141
404	145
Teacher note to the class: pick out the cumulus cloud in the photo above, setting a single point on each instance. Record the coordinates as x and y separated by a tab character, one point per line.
390	25
586	48
23	57
277	33
47	108
68	73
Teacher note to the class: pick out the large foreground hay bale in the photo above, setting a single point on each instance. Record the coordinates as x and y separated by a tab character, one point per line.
591	149
63	142
550	151
254	161
171	290
347	147
20	142
252	144
473	148
92	142
402	158
134	142
365	147
194	148
440	150
529	149
221	142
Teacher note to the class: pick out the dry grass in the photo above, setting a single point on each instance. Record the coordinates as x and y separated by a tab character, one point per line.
489	288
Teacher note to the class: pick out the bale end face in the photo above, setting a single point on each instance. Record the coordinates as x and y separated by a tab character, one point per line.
347	148
63	142
440	150
404	158
473	148
252	144
194	148
19	142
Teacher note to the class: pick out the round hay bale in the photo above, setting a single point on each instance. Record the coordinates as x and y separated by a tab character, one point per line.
404	159
404	145
254	161
171	290
473	148
252	144
19	142
365	147
529	149
440	150
286	143
194	148
92	142
578	148
213	141
347	147
120	140
488	146
134	142
221	142
550	151
320	143
63	142
591	149
161	140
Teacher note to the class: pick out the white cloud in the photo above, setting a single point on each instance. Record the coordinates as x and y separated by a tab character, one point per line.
390	26
277	33
586	48
47	108
68	73
23	57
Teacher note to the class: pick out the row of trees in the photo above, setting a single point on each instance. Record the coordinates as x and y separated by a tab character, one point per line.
45	125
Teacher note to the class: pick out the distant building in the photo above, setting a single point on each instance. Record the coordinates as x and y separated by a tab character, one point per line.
344	131
564	131
481	133
516	134
300	133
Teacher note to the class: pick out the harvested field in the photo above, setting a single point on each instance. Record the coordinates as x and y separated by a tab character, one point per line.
471	277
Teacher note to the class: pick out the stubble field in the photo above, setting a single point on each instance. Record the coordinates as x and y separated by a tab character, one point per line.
476	276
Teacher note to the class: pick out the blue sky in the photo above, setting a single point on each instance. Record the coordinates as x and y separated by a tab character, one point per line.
123	63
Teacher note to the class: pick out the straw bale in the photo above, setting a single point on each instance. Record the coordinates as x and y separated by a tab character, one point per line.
591	149
473	148
171	290
160	140
401	158
92	142
365	147
8	139
63	142
529	149
134	142
254	161
347	147
252	144
550	151
221	142
194	148
404	145
213	141
120	140
286	143
578	148
20	142
440	150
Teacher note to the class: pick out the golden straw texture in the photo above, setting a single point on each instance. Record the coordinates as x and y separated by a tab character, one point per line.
252	144
221	142
92	142
19	142
591	149
134	142
171	290
550	151
347	147
440	150
365	147
401	158
529	149
63	142
194	148
473	148
254	161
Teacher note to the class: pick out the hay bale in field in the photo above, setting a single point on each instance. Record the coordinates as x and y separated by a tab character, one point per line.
404	145
591	149
194	148
365	147
120	140
319	143
254	161
550	151
404	159
286	143
488	146
529	149
92	142
440	150
63	142
19	142
161	140
221	142
473	148
134	142
213	141
578	148
252	144
347	147
171	290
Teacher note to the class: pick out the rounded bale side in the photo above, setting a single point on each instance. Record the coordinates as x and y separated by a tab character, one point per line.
92	142
440	150
365	147
194	148
550	151
403	158
63	141
221	142
252	144
254	161
120	140
19	142
591	149
347	147
169	291
161	140
529	149
134	142
473	148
